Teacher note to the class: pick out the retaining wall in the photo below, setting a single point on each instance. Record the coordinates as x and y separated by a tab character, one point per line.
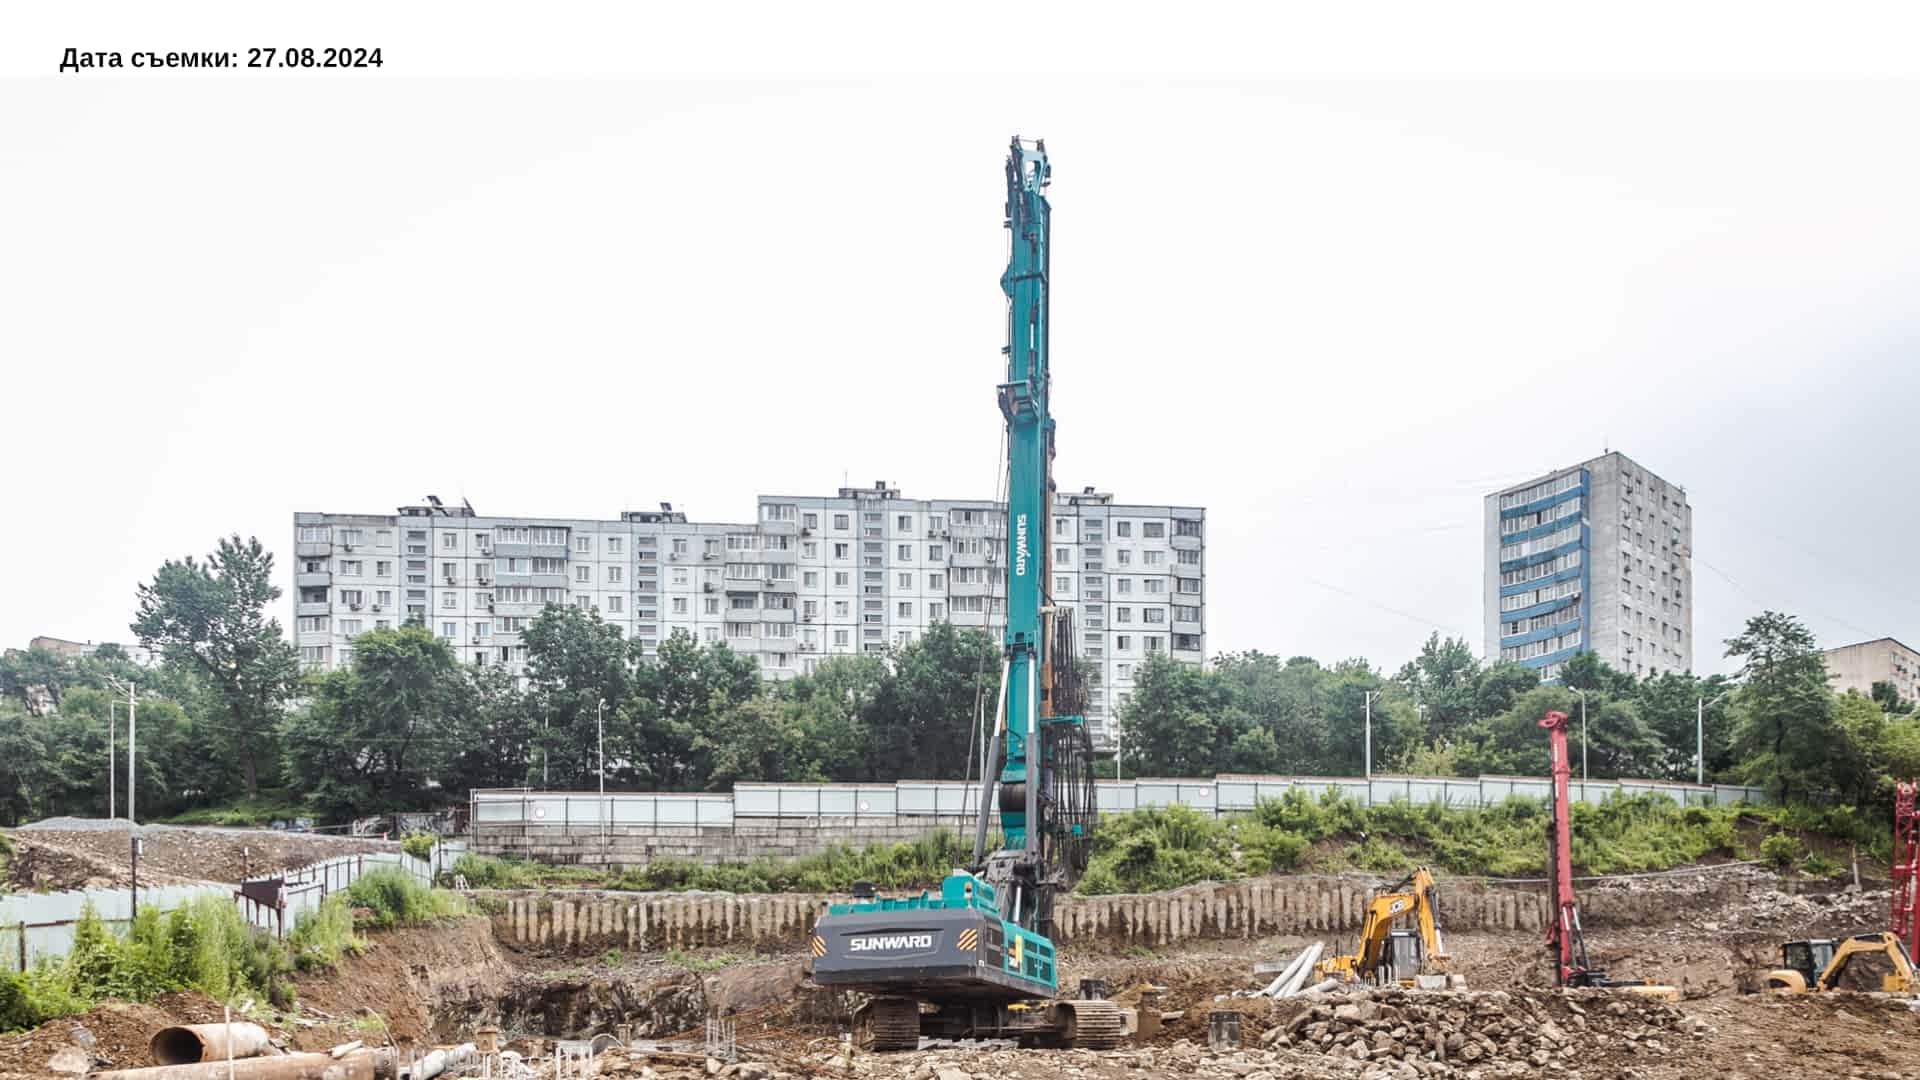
1305	905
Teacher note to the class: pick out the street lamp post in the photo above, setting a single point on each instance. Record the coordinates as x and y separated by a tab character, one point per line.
1583	742
1700	736
600	725
1369	743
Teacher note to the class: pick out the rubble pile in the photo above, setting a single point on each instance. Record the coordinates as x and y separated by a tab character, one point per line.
1428	1033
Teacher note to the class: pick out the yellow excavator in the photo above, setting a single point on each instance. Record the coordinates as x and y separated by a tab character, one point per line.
1818	964
1387	956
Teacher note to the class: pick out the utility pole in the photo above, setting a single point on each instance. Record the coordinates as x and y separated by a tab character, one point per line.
112	773
1700	742
1369	743
600	725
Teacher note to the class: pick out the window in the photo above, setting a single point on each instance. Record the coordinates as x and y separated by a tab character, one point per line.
615	604
810	521
936	581
1156	643
936	610
777	512
1189	586
549	566
313	624
967	545
313	656
1123	557
1153	530
841	551
1154	585
903	523
1188	557
841	578
1186	527
1063	557
712	604
969	517
350	597
840	608
841	638
1123	586
1153	558
936	552
1153	615
449	600
351	567
809	550
315	534
613	545
583	574
738	630
383	597
904	552
1062	585
1122	614
841	522
613	575
776	630
906	609
1186	642
970	604
679	605
1123	528
383	568
449	630
1122	643
1185	613
450	541
743	603
936	522
906	581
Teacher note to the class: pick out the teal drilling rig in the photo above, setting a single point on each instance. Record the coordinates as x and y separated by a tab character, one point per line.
978	954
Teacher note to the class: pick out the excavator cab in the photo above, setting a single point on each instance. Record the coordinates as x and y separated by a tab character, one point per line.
1809	957
1402	957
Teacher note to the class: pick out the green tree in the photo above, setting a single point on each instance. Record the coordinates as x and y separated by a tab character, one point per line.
834	702
1784	733
575	661
1887	696
378	730
210	616
1512	743
1444	680
498	735
1181	721
921	716
679	695
23	756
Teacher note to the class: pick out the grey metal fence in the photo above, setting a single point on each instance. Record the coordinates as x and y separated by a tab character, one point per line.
906	801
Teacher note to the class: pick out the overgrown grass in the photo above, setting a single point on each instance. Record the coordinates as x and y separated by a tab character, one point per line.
396	898
267	807
203	945
699	961
920	864
322	936
419	844
487	872
1164	848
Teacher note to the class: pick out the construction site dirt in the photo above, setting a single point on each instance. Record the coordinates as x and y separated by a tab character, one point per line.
419	987
85	853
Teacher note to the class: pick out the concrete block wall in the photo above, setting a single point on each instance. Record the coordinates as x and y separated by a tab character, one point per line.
742	841
1304	905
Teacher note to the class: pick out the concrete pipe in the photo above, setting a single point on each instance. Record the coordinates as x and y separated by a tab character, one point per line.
188	1043
357	1066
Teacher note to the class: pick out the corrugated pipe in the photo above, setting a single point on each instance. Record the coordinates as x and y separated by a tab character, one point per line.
188	1043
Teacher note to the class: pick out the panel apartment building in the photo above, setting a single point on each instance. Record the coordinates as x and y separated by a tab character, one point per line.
1596	557
1858	666
813	576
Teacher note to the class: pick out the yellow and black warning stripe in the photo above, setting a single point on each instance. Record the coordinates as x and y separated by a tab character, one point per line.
969	939
818	945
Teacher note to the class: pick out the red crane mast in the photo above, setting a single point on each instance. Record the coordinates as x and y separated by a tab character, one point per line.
1564	939
1906	866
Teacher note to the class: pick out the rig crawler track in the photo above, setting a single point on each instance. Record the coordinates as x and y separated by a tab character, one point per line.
1093	1025
888	1023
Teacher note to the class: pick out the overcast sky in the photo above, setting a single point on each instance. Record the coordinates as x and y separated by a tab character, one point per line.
1333	311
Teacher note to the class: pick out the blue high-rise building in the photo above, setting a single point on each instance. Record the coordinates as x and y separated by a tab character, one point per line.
1593	557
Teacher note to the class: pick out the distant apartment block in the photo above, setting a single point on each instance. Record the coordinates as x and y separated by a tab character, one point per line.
1859	666
811	576
1593	557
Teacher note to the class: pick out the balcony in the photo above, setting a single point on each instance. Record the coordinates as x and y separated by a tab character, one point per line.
312	549
313	607
318	580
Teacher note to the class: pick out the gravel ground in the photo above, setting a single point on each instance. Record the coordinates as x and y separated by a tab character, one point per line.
92	853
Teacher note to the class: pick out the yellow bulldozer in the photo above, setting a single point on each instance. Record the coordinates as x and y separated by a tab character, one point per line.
1815	965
